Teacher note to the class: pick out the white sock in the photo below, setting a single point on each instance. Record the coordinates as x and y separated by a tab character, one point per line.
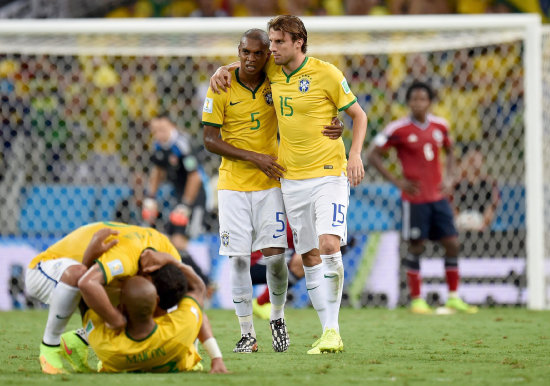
241	290
334	278
64	300
277	282
316	290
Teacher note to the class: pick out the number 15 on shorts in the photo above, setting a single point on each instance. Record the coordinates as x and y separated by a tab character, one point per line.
338	214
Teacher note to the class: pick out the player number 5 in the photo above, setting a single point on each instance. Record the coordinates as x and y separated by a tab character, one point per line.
253	119
280	219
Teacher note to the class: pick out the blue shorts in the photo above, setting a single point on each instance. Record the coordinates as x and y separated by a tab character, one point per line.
431	220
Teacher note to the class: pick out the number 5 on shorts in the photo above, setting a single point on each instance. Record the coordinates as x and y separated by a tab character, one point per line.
280	219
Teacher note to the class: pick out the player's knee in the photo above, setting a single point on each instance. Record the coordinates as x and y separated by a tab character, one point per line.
267	252
416	247
72	275
329	244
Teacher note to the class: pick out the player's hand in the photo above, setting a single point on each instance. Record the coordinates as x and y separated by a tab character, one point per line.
266	163
99	245
335	129
409	187
221	80
149	211
218	367
356	171
152	260
447	186
180	215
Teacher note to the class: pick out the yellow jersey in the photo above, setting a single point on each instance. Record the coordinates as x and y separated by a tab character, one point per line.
120	261
247	120
305	101
169	347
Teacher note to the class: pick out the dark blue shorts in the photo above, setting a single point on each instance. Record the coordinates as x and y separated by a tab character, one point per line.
432	220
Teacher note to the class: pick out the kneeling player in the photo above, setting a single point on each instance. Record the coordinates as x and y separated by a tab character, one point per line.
153	344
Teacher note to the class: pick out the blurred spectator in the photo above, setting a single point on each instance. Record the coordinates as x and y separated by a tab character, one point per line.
476	194
420	7
255	7
208	8
365	7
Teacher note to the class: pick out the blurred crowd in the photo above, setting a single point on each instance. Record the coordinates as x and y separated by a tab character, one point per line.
217	8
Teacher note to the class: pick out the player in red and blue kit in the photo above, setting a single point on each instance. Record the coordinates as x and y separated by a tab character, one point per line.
427	214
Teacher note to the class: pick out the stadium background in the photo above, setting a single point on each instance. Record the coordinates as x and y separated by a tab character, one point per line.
75	142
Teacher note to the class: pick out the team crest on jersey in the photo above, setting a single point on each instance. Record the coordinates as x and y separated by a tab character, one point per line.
438	136
268	97
412	138
225	238
303	83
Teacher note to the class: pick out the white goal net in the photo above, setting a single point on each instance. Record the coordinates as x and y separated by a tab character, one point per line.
77	96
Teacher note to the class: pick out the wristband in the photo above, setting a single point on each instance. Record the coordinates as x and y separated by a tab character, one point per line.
212	349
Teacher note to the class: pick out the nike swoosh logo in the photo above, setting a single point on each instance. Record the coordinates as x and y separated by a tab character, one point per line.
234	103
67	350
282	293
238	302
311	289
330	276
62	317
276	237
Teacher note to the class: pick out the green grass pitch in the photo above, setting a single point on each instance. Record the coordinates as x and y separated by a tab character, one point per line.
493	347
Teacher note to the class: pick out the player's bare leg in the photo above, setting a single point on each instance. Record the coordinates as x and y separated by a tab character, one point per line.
277	282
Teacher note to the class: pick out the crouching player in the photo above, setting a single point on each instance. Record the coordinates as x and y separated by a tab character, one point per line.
153	340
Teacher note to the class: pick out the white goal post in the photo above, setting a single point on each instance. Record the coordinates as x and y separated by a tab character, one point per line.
217	39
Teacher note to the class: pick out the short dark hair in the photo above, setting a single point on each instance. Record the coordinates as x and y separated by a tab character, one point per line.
171	285
292	25
417	85
165	115
256	34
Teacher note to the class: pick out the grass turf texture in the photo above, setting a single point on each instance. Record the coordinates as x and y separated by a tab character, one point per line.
493	347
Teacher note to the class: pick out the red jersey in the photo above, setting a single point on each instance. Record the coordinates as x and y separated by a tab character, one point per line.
418	147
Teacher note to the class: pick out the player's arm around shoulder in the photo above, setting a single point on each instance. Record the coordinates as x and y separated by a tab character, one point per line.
356	170
152	260
91	286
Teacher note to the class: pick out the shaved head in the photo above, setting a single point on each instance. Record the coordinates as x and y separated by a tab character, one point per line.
256	34
139	297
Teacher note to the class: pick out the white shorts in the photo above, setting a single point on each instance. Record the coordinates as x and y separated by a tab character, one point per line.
251	221
314	207
42	279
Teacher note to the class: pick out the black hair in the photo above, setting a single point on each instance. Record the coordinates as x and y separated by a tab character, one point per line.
165	115
171	285
417	85
256	34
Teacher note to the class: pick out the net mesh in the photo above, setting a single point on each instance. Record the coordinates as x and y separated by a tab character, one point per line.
76	142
